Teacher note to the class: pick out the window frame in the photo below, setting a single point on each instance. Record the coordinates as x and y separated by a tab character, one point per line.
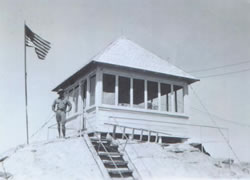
135	75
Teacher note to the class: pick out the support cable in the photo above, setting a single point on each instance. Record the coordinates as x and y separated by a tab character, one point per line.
223	119
223	74
218	67
210	117
52	116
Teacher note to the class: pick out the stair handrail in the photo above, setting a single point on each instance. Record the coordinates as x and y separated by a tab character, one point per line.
143	129
85	136
176	123
124	150
100	142
106	151
158	133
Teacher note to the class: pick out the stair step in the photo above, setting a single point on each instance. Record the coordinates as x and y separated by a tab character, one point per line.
114	158
116	162
113	145
125	178
107	148
96	139
120	171
103	142
112	154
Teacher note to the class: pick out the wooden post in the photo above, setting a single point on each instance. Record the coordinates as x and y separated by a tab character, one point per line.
98	89
114	129
88	92
116	90
172	99
186	100
156	137
141	135
131	92
133	132
145	94
123	133
160	139
149	136
159	96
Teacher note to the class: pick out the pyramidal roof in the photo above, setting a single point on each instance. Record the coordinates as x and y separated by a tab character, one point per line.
124	52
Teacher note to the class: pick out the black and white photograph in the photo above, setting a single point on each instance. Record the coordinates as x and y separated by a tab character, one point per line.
124	89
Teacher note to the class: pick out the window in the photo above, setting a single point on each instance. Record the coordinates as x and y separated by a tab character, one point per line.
108	95
138	96
124	91
92	90
84	93
165	97
152	89
178	99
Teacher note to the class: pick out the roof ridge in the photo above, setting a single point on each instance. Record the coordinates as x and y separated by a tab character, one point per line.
108	47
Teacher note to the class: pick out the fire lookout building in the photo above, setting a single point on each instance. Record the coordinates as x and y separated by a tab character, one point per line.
128	86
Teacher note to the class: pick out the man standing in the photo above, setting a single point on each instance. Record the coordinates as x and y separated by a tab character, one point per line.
60	108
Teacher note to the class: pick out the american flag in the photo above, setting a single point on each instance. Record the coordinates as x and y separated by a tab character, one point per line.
41	46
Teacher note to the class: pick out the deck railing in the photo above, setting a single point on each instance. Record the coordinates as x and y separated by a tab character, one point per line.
159	134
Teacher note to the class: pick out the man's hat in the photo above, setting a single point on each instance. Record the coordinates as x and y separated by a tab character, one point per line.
60	91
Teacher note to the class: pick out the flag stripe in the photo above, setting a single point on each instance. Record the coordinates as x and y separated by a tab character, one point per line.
37	38
41	42
40	46
40	56
41	52
41	39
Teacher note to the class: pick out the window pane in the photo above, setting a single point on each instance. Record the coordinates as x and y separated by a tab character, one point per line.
108	95
92	90
165	97
138	90
124	91
152	95
179	99
84	93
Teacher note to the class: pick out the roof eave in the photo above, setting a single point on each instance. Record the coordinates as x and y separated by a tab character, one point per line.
73	77
81	71
188	80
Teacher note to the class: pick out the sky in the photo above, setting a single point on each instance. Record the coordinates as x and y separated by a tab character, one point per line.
193	35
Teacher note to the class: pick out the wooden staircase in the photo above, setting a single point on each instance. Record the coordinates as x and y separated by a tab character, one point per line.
111	157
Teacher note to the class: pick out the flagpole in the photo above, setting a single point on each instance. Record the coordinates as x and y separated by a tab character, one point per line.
26	91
